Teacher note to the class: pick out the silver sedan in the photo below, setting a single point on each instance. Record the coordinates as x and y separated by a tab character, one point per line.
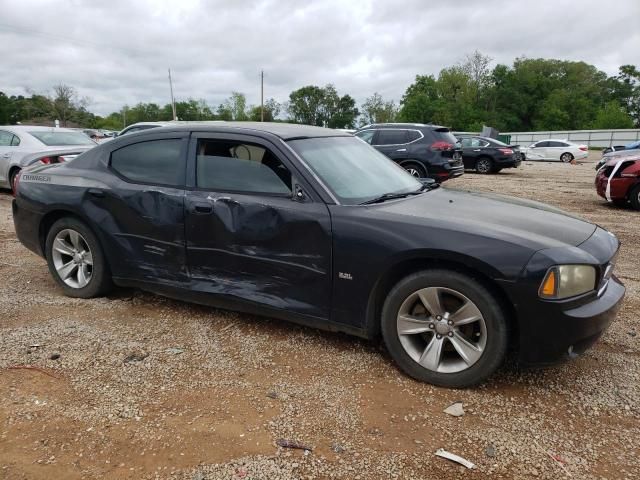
21	145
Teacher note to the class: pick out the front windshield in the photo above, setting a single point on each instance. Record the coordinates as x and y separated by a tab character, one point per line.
62	138
354	171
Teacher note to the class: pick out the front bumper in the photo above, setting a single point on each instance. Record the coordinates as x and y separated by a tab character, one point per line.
564	333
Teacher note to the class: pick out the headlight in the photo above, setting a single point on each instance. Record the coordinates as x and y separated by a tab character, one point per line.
566	281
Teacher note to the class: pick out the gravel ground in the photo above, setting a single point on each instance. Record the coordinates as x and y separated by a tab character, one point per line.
137	386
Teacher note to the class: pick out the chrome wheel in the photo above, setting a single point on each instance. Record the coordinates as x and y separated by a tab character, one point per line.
413	172
441	329
483	165
72	258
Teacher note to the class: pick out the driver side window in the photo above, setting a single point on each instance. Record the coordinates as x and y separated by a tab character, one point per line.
234	166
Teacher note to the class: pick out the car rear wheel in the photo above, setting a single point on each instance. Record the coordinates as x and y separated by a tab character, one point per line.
484	165
445	328
76	260
13	176
415	170
566	157
634	197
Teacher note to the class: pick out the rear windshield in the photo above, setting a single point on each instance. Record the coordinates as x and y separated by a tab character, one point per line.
444	135
53	138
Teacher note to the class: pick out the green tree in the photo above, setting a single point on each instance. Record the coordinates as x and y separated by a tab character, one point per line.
376	109
271	111
612	115
306	105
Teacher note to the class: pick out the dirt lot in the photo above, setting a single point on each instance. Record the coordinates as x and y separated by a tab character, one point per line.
145	387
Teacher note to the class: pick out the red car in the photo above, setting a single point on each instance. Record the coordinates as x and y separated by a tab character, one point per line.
618	180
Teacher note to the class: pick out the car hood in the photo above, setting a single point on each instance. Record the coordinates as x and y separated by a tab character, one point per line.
525	222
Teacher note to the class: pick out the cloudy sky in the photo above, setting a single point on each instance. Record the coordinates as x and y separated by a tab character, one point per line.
117	52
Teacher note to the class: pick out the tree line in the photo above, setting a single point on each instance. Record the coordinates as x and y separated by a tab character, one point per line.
530	94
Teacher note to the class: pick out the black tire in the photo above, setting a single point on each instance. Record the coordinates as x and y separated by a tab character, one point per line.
484	165
13	174
99	282
415	169
493	351
634	197
566	157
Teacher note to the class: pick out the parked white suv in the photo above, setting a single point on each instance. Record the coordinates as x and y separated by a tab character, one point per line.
554	149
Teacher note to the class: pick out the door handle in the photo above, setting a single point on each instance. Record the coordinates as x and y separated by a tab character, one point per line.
477	150
96	192
6	155
202	208
221	199
401	150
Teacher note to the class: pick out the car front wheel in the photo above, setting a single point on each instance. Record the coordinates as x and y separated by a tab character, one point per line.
445	328
76	260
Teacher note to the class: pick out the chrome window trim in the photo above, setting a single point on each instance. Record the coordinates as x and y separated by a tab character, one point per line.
398	144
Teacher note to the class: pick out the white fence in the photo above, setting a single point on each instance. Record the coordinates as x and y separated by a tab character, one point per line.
592	138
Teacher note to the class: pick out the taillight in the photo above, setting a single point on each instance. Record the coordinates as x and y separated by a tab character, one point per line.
506	151
45	160
584	148
442	146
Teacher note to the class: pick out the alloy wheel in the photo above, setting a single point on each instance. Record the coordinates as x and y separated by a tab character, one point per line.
72	258
566	157
441	329
413	172
483	165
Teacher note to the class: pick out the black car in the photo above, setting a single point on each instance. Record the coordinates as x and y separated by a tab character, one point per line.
314	226
488	155
425	151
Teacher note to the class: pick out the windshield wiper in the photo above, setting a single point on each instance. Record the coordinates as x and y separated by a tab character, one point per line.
394	195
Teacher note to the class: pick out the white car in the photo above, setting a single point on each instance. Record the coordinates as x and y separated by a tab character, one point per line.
19	145
554	149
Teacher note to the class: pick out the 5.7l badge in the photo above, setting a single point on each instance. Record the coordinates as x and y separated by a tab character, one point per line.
345	276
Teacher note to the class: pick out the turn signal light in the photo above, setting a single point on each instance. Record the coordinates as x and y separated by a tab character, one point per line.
548	287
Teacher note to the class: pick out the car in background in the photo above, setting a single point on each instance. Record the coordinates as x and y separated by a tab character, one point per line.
425	151
615	148
314	226
141	126
20	143
616	153
618	180
556	150
488	155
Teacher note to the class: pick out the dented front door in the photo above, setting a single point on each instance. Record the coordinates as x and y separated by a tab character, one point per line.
268	250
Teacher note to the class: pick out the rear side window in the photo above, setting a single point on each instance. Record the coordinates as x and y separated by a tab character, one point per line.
15	141
5	138
557	144
413	135
391	137
157	162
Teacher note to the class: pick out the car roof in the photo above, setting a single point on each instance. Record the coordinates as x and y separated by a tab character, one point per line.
552	140
35	128
634	156
402	125
286	131
623	153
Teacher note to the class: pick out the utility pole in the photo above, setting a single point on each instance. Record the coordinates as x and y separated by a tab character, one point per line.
124	116
262	95
173	102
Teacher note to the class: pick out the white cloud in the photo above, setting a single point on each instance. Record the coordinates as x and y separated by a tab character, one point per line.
118	52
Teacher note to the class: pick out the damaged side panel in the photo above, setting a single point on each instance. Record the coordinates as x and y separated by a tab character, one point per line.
269	250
